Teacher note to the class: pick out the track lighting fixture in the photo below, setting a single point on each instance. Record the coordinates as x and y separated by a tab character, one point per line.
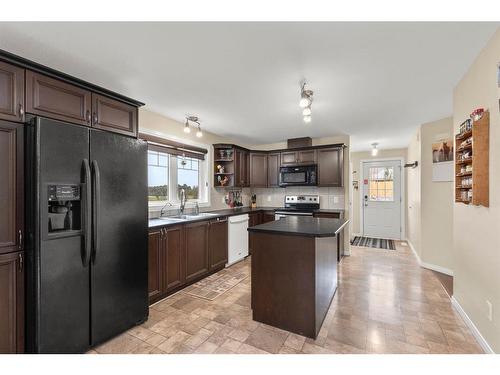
194	119
306	99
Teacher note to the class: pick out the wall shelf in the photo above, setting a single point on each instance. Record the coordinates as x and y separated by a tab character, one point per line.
475	166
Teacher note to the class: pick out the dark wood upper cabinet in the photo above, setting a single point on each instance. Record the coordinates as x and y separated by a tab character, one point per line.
258	169
154	263
289	158
12	303
113	115
11	187
273	169
196	250
11	92
298	157
242	168
217	243
330	167
56	99
306	156
174	258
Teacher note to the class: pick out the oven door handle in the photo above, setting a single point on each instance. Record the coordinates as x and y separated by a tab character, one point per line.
294	213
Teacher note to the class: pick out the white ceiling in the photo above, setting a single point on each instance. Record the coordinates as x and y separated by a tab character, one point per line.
373	81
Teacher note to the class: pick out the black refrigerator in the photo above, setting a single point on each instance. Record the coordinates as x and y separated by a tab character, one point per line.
87	236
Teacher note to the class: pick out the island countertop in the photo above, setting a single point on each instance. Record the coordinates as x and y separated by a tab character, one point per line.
302	226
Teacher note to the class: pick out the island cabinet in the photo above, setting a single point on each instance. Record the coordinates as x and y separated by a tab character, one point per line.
330	167
273	169
217	243
254	218
298	157
12	303
11	92
258	169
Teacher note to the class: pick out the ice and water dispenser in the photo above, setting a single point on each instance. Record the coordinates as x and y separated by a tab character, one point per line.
64	208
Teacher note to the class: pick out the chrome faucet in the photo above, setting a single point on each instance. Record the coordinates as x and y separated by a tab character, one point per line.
196	208
163	208
183	201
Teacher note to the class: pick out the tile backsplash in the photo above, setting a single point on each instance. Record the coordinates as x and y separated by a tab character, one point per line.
329	198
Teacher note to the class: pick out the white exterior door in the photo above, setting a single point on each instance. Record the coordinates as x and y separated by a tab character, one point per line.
381	199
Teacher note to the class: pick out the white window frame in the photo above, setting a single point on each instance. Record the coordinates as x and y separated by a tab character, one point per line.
204	185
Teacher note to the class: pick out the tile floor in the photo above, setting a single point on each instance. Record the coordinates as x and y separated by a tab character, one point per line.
385	303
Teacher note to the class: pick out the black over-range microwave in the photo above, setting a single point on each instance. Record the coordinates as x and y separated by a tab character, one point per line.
301	175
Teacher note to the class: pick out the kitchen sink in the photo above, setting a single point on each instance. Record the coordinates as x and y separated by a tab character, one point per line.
187	217
201	214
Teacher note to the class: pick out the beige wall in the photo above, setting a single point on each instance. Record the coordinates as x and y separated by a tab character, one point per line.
476	232
356	158
413	222
436	202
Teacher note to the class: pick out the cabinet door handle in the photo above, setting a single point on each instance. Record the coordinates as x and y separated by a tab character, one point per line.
95	118
21	263
20	239
21	110
87	116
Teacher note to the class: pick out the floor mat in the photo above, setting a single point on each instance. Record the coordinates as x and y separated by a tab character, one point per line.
213	286
378	243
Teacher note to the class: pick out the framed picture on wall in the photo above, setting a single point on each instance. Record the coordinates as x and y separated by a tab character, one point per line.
442	160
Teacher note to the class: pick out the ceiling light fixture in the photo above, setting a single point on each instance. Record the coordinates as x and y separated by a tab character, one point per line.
196	120
306	99
374	149
187	129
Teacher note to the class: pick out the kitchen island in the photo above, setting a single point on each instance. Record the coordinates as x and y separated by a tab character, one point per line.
294	272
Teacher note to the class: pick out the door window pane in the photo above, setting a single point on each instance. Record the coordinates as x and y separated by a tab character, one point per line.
381	184
188	176
157	176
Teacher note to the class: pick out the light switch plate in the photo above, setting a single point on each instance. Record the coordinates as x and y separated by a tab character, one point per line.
335	199
269	198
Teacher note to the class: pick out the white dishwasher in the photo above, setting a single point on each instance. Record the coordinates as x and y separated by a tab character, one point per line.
237	238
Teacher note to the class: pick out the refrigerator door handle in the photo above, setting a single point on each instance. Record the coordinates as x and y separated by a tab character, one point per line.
87	212
96	187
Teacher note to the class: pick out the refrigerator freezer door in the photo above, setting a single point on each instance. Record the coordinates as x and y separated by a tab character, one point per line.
119	274
62	299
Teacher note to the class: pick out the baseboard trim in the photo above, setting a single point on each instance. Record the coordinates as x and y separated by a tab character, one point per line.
436	268
475	332
429	266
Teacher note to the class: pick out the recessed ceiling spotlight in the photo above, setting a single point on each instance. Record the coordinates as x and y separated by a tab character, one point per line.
374	149
307	119
306	111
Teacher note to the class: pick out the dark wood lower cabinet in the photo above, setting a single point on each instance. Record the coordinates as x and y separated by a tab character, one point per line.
155	270
182	254
173	258
12	302
217	243
267	216
196	250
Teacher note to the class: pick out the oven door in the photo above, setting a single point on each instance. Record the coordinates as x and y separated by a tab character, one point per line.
297	176
281	214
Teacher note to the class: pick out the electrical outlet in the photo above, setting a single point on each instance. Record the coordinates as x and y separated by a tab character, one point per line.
490	310
223	199
335	199
269	198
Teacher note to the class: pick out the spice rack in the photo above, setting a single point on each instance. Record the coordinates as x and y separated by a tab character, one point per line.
472	162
